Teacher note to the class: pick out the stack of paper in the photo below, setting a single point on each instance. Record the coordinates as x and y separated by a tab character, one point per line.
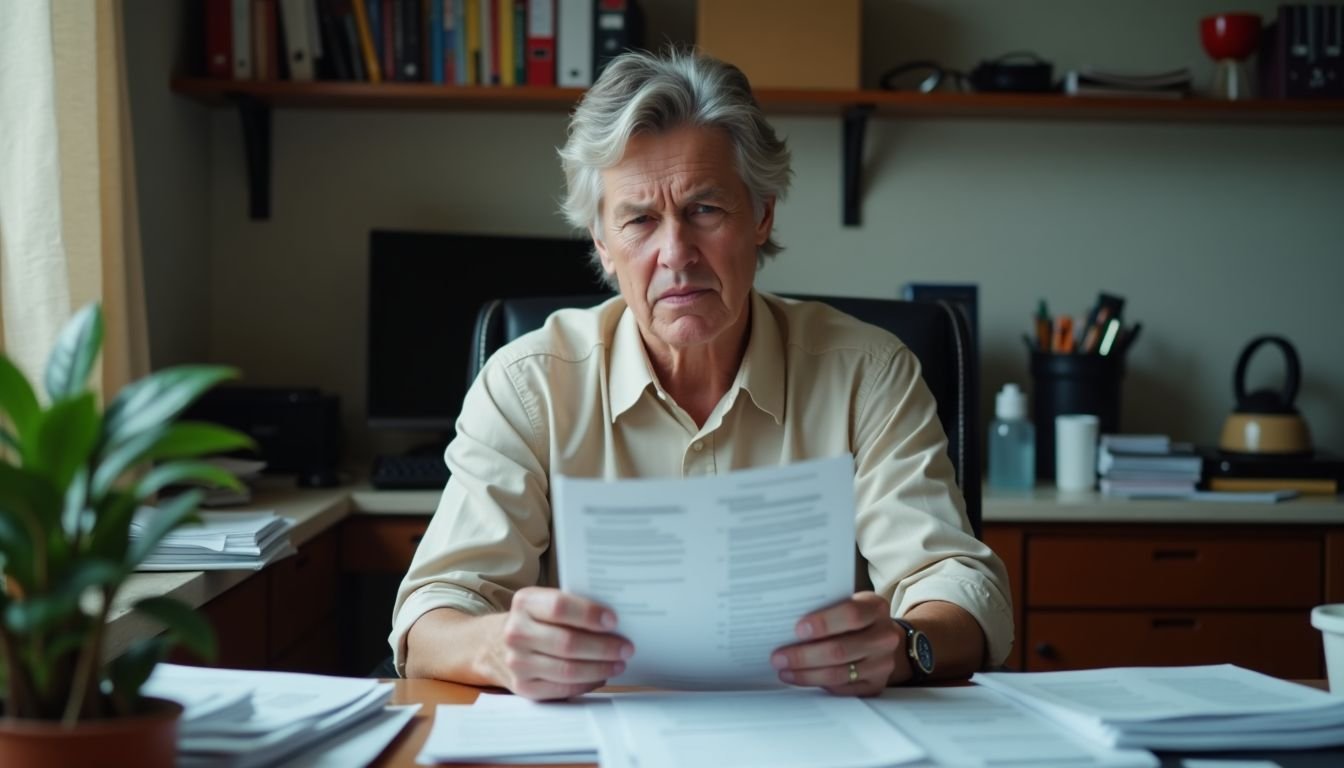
1137	466
242	719
1221	707
780	729
1091	81
222	541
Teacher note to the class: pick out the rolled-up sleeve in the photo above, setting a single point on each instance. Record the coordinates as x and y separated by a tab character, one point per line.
912	524
491	527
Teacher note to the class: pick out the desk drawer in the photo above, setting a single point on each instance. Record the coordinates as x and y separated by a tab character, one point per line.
303	591
1175	570
1283	644
380	544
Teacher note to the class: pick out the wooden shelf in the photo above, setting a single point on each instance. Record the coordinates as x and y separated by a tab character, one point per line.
346	95
255	100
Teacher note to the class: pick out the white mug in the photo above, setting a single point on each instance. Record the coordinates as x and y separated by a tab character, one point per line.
1076	451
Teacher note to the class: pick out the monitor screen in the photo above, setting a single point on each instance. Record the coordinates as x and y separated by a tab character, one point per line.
424	291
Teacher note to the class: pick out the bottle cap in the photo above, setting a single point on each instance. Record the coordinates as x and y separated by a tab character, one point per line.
1011	403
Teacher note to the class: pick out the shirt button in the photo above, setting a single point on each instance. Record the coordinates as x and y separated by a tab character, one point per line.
698	445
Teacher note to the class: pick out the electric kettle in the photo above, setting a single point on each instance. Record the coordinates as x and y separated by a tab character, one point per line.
1265	421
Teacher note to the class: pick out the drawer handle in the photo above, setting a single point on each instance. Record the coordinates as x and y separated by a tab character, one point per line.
1175	554
1175	622
1045	650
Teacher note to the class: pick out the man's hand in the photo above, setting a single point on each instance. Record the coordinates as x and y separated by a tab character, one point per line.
856	634
556	645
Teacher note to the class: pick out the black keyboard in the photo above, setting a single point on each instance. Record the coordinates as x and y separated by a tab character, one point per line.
420	471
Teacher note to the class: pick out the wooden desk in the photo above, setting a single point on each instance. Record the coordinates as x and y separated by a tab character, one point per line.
431	693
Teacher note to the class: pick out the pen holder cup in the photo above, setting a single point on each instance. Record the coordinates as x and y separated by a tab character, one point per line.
1072	384
1330	620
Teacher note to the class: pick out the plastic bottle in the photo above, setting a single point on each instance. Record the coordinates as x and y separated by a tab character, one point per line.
1012	442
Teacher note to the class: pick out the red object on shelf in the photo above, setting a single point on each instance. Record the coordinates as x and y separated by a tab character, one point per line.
1230	35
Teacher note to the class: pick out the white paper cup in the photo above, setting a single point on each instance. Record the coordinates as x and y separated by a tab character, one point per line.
1330	620
1076	451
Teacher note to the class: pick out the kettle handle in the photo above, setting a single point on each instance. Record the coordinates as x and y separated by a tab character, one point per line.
1292	377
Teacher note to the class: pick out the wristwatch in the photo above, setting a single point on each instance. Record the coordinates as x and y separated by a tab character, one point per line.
919	649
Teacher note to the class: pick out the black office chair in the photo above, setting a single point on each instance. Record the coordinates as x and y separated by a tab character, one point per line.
936	332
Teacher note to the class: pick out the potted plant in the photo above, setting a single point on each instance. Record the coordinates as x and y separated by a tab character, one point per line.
71	479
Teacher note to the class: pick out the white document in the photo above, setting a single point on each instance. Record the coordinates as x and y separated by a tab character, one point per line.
516	730
709	575
358	745
974	726
1206	707
774	729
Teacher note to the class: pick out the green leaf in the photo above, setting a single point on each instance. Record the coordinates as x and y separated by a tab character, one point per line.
114	463
39	612
77	518
17	398
111	529
185	626
154	401
129	671
65	437
77	347
9	441
170	514
186	439
177	472
30	510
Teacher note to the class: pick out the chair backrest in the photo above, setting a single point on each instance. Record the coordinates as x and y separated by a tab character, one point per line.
936	332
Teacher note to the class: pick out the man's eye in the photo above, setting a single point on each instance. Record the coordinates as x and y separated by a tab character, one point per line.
701	209
636	221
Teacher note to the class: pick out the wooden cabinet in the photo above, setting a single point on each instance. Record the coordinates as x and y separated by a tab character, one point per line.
1098	595
283	617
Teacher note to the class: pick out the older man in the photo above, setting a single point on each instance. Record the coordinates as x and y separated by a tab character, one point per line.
673	170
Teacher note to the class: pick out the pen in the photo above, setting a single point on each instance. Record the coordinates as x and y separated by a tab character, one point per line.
1128	341
1042	327
1063	343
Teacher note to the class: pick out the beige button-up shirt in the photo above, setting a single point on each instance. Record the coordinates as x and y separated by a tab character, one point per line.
579	397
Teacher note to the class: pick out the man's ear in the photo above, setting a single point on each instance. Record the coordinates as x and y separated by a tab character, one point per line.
767	222
601	248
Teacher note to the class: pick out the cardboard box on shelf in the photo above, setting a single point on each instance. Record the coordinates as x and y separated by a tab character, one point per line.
784	43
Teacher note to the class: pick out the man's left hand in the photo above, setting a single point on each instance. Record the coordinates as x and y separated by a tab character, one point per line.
848	648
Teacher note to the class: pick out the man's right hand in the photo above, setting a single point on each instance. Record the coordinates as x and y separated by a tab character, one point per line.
556	645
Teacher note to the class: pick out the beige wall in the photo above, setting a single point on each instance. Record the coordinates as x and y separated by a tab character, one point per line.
1214	233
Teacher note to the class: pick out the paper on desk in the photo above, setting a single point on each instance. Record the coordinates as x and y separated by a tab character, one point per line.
774	729
512	730
708	575
974	726
1203	707
359	745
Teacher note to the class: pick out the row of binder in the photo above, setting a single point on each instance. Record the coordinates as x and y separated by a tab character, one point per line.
454	42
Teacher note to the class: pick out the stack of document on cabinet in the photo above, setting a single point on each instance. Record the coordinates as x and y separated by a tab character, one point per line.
1146	466
782	729
1221	707
221	541
242	719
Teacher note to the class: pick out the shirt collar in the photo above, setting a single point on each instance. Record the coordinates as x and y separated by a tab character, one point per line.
761	373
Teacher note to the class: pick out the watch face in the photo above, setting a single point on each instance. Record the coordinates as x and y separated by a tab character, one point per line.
923	652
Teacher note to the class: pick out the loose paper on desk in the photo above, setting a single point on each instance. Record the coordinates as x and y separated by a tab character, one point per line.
708	575
974	726
1180	708
770	729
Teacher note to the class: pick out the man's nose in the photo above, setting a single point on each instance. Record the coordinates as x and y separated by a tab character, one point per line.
677	251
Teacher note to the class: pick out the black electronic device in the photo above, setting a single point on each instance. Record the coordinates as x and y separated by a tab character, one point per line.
1302	52
297	429
1019	71
425	289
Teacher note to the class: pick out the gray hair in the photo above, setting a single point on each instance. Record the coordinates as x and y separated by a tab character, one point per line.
640	92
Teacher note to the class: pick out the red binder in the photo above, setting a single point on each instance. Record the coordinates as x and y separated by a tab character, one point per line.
541	42
219	38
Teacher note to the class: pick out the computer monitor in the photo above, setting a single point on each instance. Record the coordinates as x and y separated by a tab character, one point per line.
424	292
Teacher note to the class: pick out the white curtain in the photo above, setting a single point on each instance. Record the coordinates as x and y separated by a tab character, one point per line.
68	232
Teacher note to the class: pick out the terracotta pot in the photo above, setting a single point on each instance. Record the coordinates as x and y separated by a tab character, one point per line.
147	740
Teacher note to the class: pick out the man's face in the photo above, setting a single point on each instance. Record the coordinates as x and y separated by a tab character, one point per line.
679	233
